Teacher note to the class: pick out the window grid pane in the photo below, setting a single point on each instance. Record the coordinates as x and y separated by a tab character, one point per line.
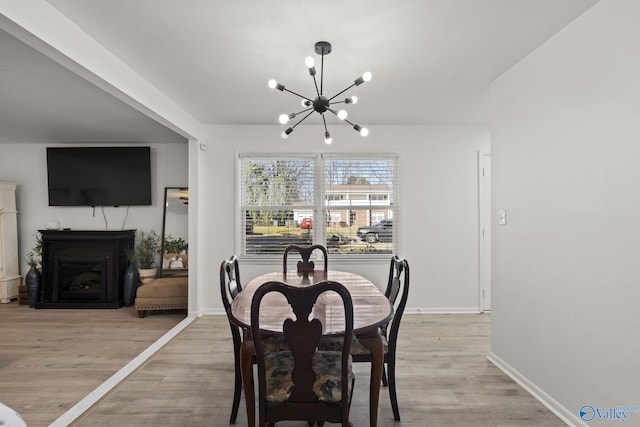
273	182
358	202
278	198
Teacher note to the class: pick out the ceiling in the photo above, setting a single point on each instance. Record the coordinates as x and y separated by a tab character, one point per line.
432	61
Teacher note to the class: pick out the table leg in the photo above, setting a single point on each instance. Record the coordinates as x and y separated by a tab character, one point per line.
373	342
246	360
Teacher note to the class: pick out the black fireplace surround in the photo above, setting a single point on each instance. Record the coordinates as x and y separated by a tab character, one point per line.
83	269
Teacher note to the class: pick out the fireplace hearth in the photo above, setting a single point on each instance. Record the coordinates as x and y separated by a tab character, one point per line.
83	269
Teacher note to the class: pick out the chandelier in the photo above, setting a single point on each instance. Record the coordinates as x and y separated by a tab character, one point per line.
320	103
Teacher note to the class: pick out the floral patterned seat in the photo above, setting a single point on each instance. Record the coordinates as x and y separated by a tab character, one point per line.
326	365
357	348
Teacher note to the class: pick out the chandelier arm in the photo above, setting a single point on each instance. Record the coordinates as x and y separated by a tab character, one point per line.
341	92
301	120
315	82
297	94
352	124
325	123
304	111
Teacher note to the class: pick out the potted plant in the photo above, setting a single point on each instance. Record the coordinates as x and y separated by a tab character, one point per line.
175	246
147	254
33	277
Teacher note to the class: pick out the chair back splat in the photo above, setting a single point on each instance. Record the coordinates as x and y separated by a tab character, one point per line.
303	383
306	265
230	287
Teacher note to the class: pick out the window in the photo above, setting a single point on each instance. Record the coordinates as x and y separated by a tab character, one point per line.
346	202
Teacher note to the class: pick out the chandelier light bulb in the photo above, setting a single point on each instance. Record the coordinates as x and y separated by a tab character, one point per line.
309	62
306	103
342	114
351	100
366	76
362	131
283	119
327	138
275	85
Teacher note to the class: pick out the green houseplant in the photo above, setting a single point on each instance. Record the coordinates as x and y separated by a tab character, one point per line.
175	246
147	254
147	249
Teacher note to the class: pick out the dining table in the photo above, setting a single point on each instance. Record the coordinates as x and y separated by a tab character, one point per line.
371	309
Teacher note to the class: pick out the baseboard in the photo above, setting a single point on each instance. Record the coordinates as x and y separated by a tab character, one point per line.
213	311
442	310
549	402
431	310
76	412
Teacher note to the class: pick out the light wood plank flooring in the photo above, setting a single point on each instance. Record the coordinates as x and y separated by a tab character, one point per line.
444	379
51	359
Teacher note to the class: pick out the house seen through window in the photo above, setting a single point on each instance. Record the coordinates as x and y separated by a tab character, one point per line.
345	202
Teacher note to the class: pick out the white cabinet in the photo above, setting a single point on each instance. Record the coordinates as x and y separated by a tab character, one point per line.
9	259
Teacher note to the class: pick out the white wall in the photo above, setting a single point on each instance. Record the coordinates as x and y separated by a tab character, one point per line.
26	165
439	204
565	140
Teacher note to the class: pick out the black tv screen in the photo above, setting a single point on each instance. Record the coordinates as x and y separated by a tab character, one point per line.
99	176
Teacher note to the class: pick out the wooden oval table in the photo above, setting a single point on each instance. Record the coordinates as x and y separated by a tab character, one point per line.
371	309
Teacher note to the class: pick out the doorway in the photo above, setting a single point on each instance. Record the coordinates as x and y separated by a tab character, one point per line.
484	208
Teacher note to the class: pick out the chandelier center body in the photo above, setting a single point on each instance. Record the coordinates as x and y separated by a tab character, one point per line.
321	104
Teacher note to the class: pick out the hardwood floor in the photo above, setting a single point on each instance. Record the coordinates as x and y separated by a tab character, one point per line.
443	376
51	359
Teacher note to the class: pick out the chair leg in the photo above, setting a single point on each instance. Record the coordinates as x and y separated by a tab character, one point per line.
385	382
237	388
392	388
237	391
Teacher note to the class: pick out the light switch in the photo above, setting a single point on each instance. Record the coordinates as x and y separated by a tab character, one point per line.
502	217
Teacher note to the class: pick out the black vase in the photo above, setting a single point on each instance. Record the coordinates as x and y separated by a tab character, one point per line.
131	281
32	280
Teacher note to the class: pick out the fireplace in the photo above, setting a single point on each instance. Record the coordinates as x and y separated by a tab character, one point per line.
83	269
82	279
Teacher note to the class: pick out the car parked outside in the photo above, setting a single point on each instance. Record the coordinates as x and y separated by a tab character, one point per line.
306	223
381	232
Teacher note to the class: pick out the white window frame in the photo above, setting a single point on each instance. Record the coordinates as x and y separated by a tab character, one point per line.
319	209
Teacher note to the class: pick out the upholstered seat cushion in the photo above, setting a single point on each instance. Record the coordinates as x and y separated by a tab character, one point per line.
164	287
335	344
327	367
275	343
166	293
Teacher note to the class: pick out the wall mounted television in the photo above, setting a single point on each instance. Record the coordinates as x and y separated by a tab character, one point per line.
99	176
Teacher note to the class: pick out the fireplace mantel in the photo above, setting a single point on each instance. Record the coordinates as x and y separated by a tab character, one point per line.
83	268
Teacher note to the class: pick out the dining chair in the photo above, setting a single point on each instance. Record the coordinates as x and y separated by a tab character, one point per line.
305	266
230	287
397	286
303	383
